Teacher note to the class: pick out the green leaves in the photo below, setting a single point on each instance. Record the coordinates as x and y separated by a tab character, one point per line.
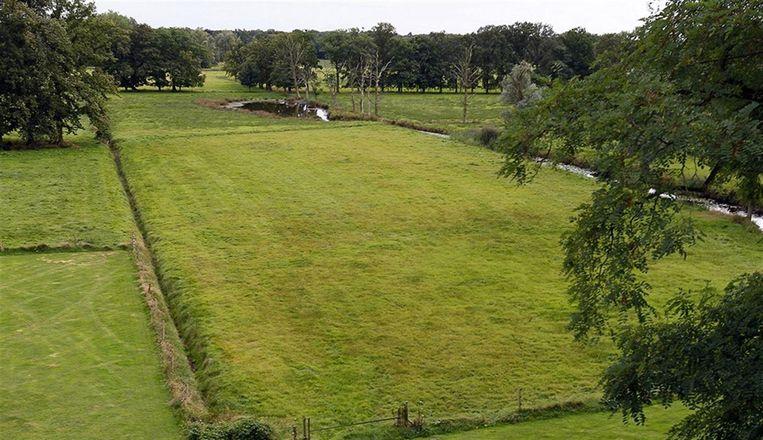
47	81
608	252
706	353
689	91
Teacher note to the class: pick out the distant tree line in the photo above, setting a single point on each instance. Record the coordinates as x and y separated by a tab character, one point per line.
418	62
164	57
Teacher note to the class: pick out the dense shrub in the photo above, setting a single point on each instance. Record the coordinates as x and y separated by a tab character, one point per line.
487	136
241	429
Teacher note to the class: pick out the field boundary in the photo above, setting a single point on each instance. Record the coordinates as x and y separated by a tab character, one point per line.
62	248
179	374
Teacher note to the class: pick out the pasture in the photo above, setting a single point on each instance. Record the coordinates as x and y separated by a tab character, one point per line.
79	359
602	426
338	269
330	270
62	198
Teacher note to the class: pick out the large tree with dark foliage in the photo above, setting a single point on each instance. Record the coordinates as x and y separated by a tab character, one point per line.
689	92
49	70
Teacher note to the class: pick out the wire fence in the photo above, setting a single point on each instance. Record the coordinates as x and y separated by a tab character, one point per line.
400	418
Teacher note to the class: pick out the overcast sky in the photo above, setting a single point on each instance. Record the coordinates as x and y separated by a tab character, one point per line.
416	16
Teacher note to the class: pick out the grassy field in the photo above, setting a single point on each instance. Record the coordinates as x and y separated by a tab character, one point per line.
336	270
62	197
431	109
437	110
600	426
332	270
78	358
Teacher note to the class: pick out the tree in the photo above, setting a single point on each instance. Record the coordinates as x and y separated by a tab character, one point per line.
296	50
578	51
689	91
377	68
181	55
224	43
466	75
51	76
518	87
402	69
383	35
689	356
336	47
494	54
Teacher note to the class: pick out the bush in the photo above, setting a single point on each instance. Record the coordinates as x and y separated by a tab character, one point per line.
241	429
487	136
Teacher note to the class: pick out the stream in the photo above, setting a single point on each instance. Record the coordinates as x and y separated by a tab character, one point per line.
709	204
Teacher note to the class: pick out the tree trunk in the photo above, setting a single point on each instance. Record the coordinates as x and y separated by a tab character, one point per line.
59	134
711	177
294	79
466	103
376	98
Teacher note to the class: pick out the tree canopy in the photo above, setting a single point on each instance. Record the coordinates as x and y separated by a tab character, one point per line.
687	94
49	74
424	62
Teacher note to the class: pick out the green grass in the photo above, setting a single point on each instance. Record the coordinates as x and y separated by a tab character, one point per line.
601	426
62	197
437	110
335	271
78	357
147	114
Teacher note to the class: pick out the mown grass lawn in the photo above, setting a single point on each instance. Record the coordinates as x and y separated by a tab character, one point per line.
79	360
600	426
62	197
337	271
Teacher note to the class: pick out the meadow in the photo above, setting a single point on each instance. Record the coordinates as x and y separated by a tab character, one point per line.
62	198
338	269
330	270
79	359
442	111
602	426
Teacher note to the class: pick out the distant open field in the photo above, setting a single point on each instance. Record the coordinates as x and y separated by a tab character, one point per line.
79	360
336	270
432	109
